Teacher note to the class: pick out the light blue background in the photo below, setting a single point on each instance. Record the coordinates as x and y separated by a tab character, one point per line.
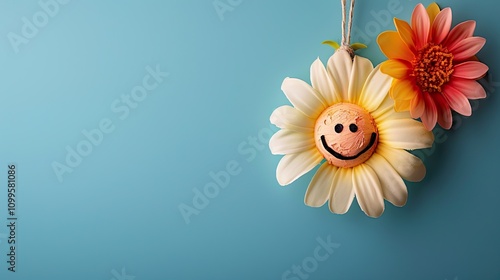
119	207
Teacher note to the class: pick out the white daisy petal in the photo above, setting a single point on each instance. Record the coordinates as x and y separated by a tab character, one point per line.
318	191
410	167
287	141
386	111
339	68
368	190
321	82
342	192
375	89
406	134
291	118
292	166
303	97
393	186
360	70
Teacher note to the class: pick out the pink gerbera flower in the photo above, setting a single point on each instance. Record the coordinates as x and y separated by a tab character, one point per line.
434	69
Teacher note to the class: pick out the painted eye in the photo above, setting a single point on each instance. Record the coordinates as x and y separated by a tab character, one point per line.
339	128
353	128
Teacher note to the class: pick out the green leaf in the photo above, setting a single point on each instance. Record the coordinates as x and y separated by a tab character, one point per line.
357	46
332	44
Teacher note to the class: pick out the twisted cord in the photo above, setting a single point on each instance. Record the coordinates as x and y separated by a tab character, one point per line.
346	38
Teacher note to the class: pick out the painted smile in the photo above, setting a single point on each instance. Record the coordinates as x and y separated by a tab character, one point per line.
342	157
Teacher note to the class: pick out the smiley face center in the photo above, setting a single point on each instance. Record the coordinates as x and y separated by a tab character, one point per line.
346	135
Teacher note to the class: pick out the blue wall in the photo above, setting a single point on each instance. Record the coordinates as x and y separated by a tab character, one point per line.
117	113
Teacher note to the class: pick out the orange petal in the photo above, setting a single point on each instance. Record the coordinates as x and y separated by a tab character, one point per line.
405	32
398	69
393	47
430	116
457	101
470	70
403	90
445	118
458	33
470	88
401	105
441	26
432	11
417	106
421	26
467	48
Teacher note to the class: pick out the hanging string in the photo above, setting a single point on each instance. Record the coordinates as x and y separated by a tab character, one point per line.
351	15
346	38
343	2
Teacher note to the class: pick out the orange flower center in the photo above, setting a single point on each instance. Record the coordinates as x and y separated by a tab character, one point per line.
432	68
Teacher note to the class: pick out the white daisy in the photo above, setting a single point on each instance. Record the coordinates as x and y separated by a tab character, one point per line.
347	118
